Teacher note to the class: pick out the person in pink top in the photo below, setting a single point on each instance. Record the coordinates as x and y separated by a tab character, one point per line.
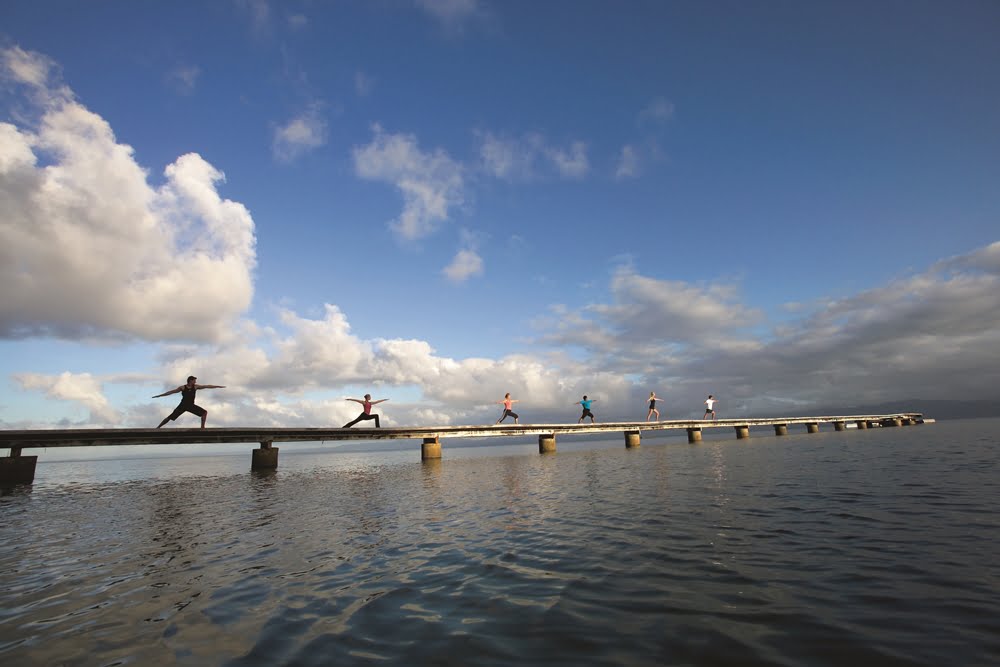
367	413
508	403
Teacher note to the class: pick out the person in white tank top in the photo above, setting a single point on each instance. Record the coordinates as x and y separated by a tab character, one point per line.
710	407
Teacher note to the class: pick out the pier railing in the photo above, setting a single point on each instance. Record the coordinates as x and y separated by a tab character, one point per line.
20	469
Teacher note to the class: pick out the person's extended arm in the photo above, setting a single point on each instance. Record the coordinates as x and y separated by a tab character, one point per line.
381	400
210	386
167	393
356	400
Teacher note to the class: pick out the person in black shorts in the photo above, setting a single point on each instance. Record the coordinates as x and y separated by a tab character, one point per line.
710	406
586	403
187	404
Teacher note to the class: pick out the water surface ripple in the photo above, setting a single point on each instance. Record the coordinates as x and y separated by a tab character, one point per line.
872	547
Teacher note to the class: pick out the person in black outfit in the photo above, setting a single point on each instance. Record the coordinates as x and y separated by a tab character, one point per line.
187	404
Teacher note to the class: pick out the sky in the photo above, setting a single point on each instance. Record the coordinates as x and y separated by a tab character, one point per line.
787	205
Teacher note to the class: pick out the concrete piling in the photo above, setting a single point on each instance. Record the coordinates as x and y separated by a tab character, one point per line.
430	449
17	469
812	427
839	426
546	443
632	439
694	435
742	431
781	429
265	457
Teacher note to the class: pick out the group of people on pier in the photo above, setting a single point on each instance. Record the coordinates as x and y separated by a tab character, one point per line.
508	402
189	389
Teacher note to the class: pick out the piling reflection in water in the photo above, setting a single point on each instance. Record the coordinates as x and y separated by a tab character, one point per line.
791	550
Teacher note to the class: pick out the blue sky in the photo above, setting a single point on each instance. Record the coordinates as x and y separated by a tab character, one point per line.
783	204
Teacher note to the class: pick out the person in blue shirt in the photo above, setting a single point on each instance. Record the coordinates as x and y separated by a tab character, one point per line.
586	409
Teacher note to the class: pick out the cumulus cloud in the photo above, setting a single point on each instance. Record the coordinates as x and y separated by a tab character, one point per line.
305	132
80	388
89	248
276	379
27	67
530	157
933	335
431	183
464	265
647	310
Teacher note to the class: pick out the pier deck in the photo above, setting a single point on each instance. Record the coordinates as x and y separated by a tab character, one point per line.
15	468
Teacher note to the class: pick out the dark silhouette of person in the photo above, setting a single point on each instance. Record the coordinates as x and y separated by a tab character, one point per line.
187	403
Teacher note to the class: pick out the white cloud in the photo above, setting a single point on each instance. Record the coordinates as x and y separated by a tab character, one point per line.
297	21
934	335
648	310
305	132
26	67
80	388
628	163
571	162
931	335
464	265
431	182
89	248
510	159
183	79
527	157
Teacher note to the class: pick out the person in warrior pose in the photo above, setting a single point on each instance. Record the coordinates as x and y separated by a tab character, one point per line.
652	406
710	407
508	403
187	404
367	412
586	409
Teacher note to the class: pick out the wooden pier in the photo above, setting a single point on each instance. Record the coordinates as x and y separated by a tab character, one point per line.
19	469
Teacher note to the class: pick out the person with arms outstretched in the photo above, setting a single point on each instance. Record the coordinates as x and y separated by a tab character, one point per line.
586	409
508	403
187	403
366	414
652	406
710	407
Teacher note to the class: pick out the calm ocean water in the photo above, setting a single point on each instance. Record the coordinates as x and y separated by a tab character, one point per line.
876	547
